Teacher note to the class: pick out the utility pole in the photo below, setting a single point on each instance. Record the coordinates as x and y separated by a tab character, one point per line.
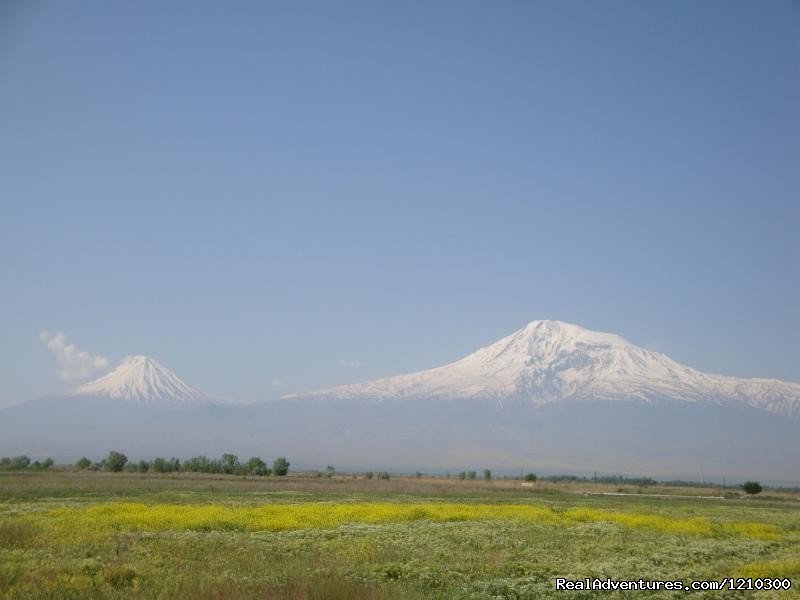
723	487
595	479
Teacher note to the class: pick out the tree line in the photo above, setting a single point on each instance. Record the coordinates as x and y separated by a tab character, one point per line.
228	464
23	461
487	475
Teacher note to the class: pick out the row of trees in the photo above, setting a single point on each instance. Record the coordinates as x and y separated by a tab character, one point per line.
487	475
23	461
226	464
330	471
231	465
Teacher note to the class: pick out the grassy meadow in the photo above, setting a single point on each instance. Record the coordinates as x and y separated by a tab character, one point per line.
131	535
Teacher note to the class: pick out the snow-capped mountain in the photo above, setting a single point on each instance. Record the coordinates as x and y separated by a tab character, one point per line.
551	361
550	397
143	380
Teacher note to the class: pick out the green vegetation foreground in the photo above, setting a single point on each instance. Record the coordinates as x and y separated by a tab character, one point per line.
118	535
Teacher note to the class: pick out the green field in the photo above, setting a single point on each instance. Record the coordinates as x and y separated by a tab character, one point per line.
102	535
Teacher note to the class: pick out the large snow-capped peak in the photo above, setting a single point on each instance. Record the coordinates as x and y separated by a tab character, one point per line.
549	361
143	380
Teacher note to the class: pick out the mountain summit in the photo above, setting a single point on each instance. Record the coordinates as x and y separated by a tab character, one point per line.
143	380
551	361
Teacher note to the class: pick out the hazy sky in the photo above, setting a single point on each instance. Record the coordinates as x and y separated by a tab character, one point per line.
275	196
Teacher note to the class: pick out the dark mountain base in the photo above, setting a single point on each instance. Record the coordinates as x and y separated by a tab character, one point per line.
662	440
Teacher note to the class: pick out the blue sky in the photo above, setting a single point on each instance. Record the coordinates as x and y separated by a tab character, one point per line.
270	197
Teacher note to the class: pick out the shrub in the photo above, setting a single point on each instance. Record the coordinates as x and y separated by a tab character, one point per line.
384	475
530	477
47	463
752	487
144	466
471	474
115	461
119	576
462	475
369	474
280	466
487	474
330	471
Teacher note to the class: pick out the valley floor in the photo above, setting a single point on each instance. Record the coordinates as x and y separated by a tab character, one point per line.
101	535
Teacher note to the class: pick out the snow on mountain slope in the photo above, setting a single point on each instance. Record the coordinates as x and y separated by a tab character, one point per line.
550	361
143	380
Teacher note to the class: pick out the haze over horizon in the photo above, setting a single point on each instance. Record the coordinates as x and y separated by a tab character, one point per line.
282	198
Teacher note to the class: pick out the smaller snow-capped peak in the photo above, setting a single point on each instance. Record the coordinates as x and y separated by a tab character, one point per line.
143	380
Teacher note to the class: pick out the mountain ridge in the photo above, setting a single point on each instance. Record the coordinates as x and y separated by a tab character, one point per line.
549	361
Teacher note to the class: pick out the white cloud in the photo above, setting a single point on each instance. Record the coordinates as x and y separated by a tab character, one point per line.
276	383
73	363
350	364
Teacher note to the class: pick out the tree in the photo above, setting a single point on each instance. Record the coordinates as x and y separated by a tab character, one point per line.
462	474
530	477
47	463
201	464
487	474
19	462
384	475
256	466
752	487
369	474
280	466
230	462
471	474
115	461
330	471
144	466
